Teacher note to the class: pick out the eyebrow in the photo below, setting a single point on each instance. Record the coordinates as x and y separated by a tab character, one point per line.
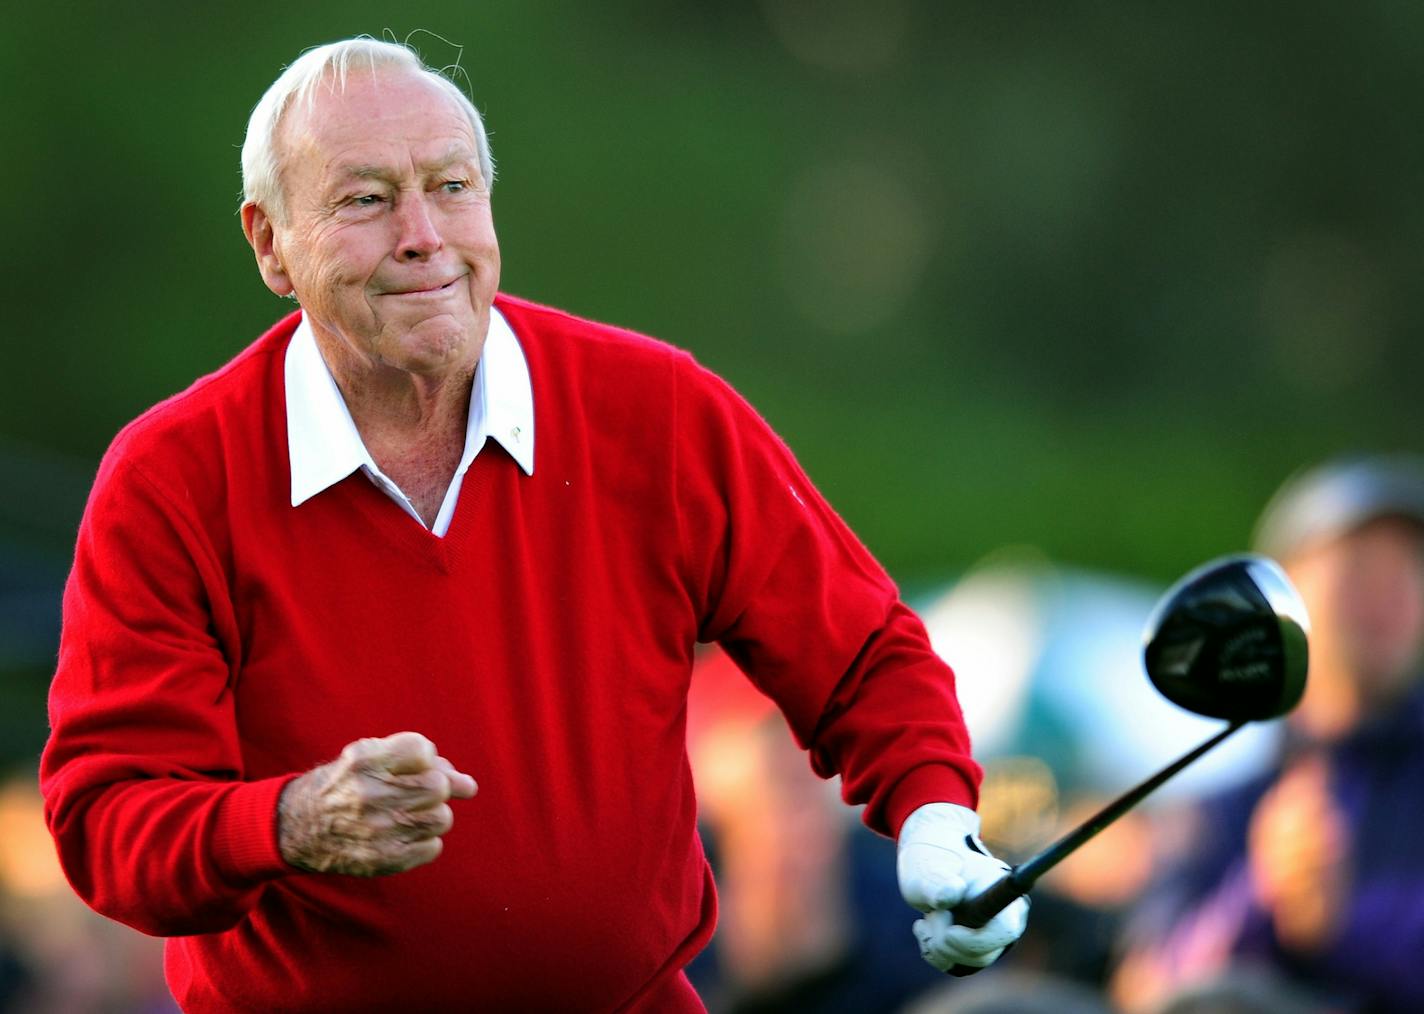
372	171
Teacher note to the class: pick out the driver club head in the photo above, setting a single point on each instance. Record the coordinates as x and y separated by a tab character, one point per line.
1230	640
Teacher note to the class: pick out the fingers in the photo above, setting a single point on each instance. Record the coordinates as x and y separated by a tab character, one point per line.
400	856
419	825
412	792
405	753
945	945
423	852
407	775
377	858
380	808
397	825
944	951
462	786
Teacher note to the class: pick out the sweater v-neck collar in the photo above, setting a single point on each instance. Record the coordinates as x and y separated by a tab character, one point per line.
384	519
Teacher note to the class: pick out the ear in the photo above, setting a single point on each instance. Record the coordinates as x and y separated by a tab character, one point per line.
262	237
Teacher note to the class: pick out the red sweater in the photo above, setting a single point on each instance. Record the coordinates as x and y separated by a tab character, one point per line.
218	641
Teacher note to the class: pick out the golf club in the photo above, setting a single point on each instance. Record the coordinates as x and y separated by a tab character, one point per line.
1227	641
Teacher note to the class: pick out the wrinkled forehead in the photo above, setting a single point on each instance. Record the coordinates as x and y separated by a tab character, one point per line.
374	113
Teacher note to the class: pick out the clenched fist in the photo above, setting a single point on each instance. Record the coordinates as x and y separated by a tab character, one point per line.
378	808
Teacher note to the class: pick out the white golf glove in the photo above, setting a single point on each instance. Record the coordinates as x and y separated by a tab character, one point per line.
940	862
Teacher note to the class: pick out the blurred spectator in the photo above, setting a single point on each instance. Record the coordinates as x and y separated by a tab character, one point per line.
1315	870
1010	993
1243	991
56	956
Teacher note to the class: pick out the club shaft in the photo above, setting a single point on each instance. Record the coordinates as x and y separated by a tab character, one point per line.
979	909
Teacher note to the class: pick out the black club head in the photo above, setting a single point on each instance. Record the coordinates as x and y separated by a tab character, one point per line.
1229	641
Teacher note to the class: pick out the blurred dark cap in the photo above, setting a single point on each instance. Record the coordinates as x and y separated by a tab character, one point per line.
1336	498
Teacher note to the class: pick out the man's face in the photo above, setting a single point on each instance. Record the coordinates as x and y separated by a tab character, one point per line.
1365	595
387	238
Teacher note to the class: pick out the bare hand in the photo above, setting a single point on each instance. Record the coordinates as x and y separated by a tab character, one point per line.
379	808
1299	843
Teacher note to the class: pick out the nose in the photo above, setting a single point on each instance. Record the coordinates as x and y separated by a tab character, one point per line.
419	238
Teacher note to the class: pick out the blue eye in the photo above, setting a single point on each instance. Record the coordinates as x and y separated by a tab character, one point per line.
454	186
366	200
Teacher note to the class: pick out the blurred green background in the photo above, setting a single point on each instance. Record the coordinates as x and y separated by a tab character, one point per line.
1091	278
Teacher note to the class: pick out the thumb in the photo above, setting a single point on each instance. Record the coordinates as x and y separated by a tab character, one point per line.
405	753
462	786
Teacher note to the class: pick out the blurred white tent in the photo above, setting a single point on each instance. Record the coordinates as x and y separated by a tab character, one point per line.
1049	665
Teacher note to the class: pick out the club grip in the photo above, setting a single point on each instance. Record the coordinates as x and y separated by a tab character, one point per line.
978	910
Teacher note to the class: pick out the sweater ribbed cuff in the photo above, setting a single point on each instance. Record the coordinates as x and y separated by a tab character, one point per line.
245	839
928	783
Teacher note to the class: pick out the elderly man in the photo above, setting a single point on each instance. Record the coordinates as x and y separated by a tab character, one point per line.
345	544
1315	870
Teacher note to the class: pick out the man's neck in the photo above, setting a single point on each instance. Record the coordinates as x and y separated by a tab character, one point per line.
413	425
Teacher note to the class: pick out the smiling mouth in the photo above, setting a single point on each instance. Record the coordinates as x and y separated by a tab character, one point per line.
431	291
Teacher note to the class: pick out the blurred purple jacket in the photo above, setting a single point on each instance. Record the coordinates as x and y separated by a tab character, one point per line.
1207	904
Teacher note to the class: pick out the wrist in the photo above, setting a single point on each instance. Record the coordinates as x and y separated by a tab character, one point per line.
292	813
937	822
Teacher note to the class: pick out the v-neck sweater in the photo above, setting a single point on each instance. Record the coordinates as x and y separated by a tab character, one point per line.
218	641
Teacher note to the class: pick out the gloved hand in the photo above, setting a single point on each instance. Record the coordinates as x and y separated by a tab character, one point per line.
940	862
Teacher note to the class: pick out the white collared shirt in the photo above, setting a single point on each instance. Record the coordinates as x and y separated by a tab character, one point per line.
324	446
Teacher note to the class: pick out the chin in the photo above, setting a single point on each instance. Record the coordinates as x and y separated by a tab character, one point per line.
432	347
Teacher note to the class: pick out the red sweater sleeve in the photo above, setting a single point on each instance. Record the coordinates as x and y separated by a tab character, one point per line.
806	611
142	773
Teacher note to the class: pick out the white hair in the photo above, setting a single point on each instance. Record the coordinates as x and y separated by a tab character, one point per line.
297	84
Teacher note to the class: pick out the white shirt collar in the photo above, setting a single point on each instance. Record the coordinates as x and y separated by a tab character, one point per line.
324	446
